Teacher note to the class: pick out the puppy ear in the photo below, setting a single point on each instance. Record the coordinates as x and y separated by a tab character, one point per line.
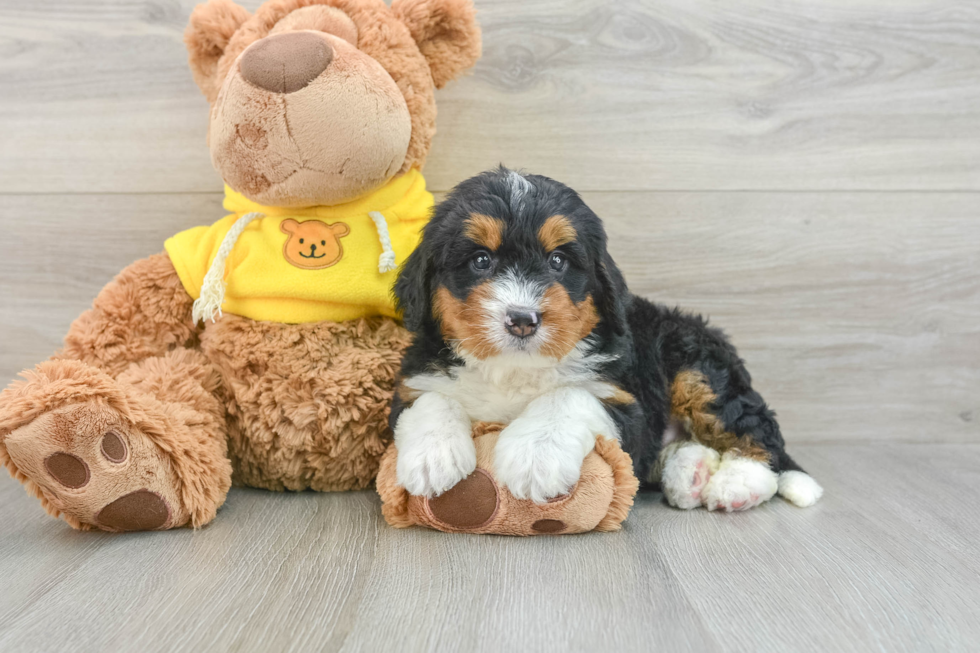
413	291
210	28
612	292
446	32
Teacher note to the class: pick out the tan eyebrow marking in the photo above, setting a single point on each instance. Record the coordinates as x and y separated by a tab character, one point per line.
555	232
484	230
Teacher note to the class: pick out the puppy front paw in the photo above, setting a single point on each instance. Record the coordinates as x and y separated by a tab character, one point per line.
432	469
435	446
532	468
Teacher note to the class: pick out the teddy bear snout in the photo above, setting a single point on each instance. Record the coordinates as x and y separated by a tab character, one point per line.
286	63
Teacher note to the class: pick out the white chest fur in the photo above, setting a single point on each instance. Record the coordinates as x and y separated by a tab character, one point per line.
499	389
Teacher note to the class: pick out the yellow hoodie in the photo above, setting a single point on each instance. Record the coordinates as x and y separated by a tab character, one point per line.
312	264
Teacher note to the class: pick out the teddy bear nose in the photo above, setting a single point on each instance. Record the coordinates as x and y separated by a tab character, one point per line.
285	63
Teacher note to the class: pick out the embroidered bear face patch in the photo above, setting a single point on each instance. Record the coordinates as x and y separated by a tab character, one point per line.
313	245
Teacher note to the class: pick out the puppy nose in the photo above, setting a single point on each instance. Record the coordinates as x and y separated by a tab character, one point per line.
285	63
521	323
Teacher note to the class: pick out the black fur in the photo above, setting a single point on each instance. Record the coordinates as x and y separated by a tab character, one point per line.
649	343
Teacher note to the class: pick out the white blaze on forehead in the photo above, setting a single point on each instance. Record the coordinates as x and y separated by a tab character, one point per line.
512	291
519	188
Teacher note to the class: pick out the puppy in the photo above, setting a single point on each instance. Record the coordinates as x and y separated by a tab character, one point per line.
520	316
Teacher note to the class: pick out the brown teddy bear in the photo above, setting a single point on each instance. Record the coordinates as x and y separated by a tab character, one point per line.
262	349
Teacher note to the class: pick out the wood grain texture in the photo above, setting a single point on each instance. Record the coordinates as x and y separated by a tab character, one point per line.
859	319
887	561
700	132
674	94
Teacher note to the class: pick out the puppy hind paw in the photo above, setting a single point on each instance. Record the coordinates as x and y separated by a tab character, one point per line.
687	468
739	484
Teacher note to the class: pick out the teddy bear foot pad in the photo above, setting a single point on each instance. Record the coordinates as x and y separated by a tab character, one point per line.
96	470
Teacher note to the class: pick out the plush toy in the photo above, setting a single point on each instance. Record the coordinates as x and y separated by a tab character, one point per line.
262	349
599	501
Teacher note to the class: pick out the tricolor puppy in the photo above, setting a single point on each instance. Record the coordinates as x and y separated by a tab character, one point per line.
520	316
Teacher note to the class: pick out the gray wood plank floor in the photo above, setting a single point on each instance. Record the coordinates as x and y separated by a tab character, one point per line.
887	561
808	174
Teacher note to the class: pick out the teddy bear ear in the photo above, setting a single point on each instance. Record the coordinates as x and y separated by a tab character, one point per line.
288	226
210	28
446	32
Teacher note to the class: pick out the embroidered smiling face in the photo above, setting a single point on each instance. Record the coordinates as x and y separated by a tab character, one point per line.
313	245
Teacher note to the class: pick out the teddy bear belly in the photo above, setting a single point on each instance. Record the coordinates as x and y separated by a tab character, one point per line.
307	404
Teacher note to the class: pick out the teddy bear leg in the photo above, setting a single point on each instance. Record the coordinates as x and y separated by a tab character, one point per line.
123	429
146	451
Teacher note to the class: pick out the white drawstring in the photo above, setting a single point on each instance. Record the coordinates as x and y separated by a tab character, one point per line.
386	262
213	287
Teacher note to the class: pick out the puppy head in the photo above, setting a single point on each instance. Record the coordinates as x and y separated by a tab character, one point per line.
512	264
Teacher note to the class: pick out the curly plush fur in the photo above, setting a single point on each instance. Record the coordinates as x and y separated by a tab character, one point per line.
145	418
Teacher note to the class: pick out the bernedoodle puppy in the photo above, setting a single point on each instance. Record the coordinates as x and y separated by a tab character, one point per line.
520	316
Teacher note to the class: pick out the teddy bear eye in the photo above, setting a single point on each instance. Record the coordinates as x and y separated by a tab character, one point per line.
300	241
323	242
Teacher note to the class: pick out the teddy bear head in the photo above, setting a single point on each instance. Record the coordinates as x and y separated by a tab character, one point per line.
322	101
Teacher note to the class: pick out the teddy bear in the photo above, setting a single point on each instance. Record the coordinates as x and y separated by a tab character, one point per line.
261	350
600	500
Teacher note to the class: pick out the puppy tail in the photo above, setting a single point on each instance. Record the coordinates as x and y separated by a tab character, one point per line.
795	485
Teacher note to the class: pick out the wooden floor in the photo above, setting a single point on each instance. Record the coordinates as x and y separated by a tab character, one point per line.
807	174
886	562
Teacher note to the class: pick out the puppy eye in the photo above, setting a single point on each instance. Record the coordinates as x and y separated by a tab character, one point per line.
481	262
557	261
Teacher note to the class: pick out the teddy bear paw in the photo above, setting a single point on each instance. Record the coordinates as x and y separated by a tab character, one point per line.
98	470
